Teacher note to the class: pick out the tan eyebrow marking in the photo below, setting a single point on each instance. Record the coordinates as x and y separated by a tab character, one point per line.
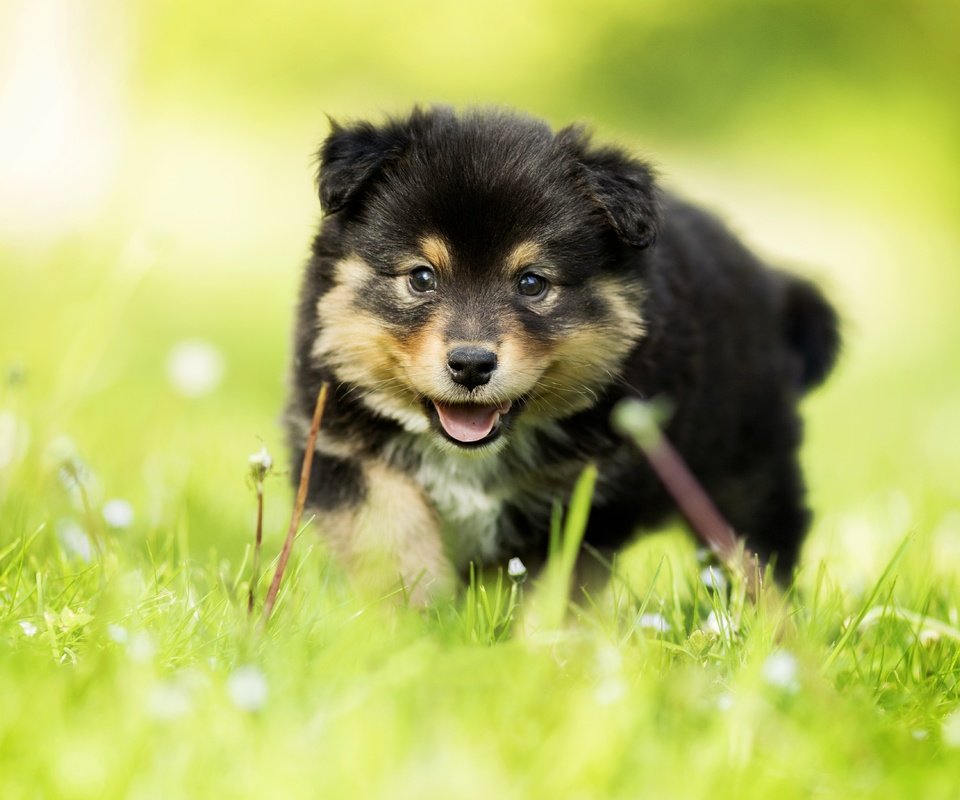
437	252
522	255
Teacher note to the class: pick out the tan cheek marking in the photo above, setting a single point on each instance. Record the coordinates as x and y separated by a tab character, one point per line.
358	346
592	356
522	359
353	342
424	357
393	535
437	253
624	302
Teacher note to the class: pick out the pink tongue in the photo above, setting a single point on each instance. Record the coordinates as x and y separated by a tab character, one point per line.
468	423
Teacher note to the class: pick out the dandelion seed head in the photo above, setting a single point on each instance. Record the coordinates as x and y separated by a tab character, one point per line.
724	701
60	449
247	688
78	480
781	670
609	665
118	513
261	463
141	647
74	540
516	569
928	636
950	730
195	368
168	701
654	622
261	459
719	623
713	578
610	690
118	633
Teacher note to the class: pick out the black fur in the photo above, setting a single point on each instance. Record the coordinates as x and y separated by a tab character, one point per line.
730	343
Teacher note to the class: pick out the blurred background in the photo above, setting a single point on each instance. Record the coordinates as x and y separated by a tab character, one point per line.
157	201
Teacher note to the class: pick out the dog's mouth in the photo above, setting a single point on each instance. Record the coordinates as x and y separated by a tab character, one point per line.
471	424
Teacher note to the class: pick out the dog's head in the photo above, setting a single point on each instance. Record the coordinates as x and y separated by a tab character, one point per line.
488	269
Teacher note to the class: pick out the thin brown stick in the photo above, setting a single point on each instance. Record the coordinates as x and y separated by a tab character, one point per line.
298	506
636	420
704	517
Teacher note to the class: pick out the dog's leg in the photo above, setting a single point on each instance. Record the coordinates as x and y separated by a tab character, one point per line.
380	527
777	518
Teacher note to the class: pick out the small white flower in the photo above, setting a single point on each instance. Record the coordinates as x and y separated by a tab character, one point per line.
782	671
141	647
28	628
14	438
118	633
713	578
609	690
654	622
950	730
248	689
720	624
195	368
725	701
60	449
168	701
78	480
74	540
118	513
928	636
80	484
262	459
516	568
609	665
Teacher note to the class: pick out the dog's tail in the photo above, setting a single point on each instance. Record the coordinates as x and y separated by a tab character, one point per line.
811	329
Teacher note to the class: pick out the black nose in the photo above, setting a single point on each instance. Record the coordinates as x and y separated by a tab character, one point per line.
471	366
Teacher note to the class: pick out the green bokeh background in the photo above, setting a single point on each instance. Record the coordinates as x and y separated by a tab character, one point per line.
156	186
156	167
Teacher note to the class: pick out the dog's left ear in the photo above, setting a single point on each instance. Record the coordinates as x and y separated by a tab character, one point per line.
350	159
624	188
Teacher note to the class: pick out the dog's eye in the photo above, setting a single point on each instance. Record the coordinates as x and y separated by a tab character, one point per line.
422	279
531	285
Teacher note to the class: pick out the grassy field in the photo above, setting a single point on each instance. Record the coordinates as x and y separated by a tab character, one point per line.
145	308
129	667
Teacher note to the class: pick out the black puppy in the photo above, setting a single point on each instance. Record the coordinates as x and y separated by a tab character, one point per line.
481	293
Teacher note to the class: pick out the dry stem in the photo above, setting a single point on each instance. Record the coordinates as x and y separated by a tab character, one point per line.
704	517
298	506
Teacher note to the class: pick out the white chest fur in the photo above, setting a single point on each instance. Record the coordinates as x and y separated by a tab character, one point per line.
468	495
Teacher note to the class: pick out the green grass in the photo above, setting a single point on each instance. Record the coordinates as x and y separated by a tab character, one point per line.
128	664
133	670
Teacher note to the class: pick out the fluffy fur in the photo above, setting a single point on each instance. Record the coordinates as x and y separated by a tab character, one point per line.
481	293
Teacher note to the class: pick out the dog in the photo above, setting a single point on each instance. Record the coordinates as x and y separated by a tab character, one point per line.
481	293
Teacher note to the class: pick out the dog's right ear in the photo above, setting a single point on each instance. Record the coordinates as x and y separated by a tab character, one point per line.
623	187
351	157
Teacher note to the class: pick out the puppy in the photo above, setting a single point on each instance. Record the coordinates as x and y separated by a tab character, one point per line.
481	293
